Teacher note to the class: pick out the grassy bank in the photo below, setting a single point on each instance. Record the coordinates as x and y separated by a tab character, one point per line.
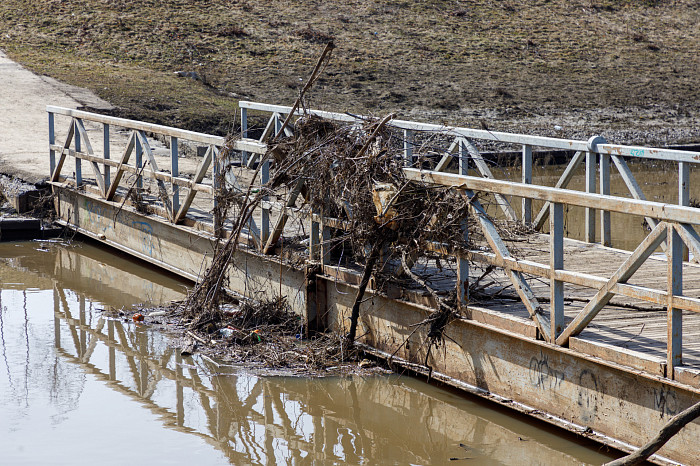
623	62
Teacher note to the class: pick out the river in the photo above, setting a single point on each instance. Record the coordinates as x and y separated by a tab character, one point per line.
79	388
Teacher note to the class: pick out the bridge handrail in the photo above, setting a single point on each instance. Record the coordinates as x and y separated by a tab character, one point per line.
511	138
670	224
138	125
623	205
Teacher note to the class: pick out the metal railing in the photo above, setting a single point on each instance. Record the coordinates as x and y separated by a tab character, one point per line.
459	146
671	225
77	144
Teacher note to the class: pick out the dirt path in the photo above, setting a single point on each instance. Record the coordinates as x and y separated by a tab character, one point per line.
23	118
24	122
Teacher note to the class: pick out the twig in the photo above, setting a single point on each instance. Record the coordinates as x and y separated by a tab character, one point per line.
198	338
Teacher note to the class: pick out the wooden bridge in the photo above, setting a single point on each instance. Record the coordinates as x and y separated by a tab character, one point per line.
601	341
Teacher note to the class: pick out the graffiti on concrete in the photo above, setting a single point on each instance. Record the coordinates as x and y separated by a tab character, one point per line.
542	375
96	217
665	401
589	393
145	237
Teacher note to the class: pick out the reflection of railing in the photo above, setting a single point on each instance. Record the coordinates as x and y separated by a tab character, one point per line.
273	420
254	419
672	226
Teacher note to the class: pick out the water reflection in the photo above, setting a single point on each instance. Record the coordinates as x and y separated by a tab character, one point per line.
65	362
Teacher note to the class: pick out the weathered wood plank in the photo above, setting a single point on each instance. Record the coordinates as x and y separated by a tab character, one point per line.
626	270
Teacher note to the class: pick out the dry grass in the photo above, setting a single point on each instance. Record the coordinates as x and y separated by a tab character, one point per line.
456	59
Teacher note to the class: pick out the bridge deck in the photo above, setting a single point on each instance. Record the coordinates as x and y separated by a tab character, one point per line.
625	322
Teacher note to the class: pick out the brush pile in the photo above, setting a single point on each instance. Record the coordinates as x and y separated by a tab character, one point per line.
356	174
268	334
353	173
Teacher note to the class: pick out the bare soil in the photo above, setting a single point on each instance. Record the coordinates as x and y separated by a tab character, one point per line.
625	68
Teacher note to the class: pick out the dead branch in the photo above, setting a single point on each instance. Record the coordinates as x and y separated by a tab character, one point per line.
367	273
312	79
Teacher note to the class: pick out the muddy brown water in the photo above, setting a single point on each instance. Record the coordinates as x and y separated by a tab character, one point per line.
79	388
657	180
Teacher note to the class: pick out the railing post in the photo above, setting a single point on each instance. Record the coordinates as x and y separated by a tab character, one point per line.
52	141
78	161
674	325
684	193
590	188
215	183
463	157
264	179
139	162
244	134
106	154
314	242
527	179
605	239
408	147
556	262
325	240
462	262
265	221
175	172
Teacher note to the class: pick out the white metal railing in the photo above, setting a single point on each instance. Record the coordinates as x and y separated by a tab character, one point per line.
672	226
77	145
592	152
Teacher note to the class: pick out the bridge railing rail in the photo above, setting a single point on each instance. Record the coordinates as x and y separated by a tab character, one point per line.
595	153
672	226
137	158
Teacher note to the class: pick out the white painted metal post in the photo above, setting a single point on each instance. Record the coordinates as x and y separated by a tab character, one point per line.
605	239
175	172
106	153
325	242
527	179
463	154
215	181
674	324
244	134
684	183
139	162
591	158
52	140
78	161
684	193
408	147
556	262
462	262
264	179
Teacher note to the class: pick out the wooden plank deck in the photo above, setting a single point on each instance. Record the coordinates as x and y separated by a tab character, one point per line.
624	323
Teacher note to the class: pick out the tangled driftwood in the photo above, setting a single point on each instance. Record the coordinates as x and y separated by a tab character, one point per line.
353	173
